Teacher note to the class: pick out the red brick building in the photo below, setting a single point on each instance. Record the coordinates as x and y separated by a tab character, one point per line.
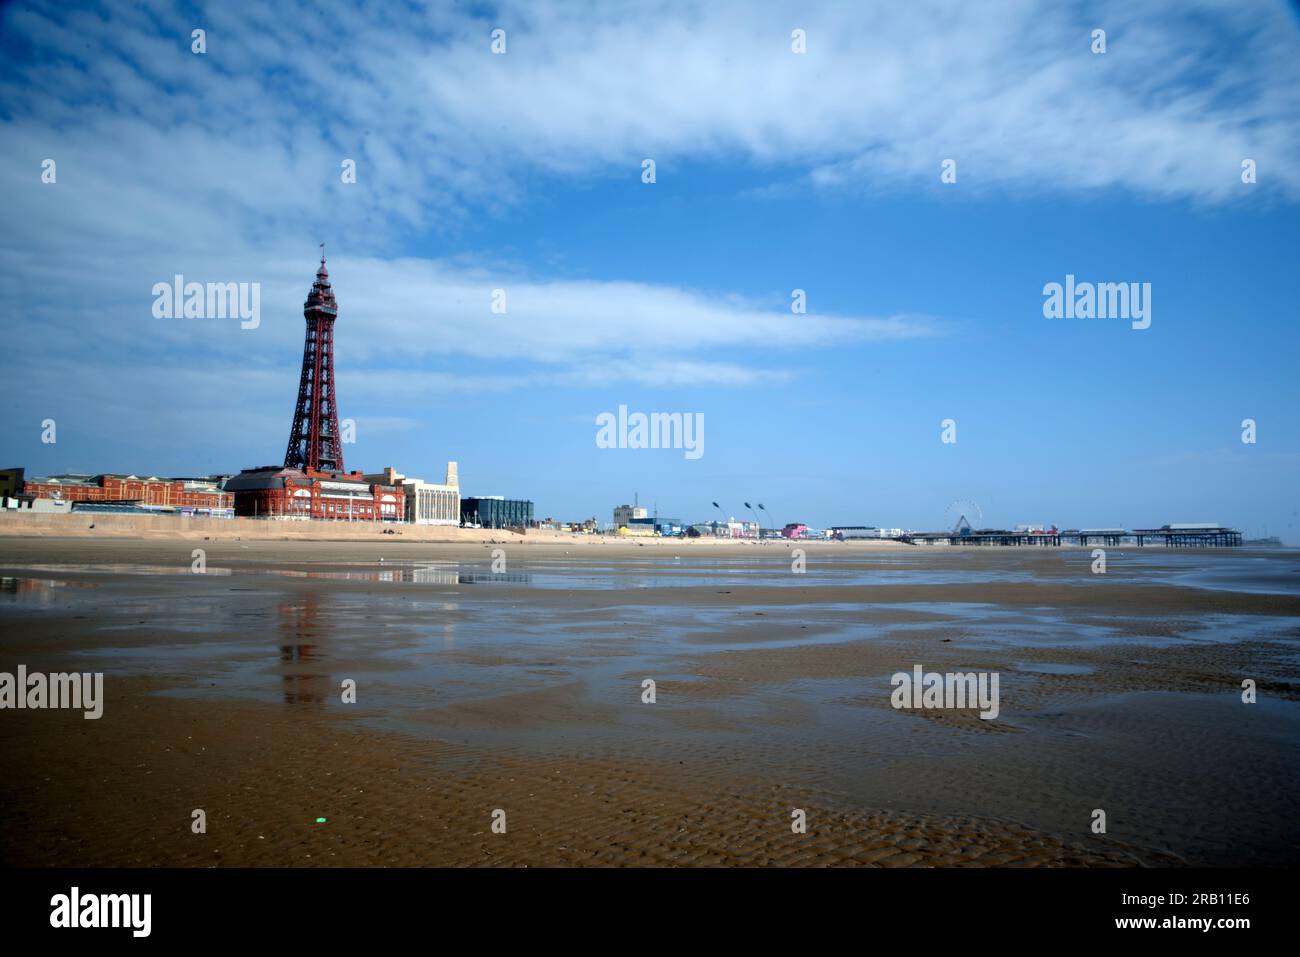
178	493
276	492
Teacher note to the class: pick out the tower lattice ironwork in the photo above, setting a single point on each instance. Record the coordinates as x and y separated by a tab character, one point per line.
314	441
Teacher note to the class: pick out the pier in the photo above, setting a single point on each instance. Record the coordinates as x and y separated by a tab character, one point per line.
1168	536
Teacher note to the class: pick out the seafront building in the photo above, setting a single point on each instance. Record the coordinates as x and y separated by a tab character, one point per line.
635	531
626	514
657	525
847	532
63	493
495	511
728	529
274	491
425	503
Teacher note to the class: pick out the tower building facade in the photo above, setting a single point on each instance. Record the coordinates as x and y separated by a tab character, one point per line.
314	440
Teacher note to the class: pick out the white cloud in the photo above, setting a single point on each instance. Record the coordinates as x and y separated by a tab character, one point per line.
409	385
418	307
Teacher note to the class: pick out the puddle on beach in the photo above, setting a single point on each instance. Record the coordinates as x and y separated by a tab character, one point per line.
1053	668
110	568
1272	573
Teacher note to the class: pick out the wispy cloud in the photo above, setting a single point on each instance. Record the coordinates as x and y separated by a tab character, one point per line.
884	93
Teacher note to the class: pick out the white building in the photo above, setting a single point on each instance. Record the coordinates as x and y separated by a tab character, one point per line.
624	514
847	532
426	504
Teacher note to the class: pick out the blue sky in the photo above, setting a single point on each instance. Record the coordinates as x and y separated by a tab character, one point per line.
775	171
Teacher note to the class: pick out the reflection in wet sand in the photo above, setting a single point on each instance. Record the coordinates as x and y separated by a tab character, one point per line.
300	631
419	573
22	586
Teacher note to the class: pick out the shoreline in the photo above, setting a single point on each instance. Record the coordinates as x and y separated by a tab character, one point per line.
91	526
110	525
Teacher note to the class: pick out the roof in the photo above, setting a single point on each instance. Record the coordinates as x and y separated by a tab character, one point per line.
77	478
268	476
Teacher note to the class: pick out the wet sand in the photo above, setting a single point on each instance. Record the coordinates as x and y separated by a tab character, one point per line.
521	690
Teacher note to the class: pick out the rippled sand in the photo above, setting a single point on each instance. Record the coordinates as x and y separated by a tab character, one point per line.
523	692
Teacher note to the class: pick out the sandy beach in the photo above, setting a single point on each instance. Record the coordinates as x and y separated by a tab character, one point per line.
520	688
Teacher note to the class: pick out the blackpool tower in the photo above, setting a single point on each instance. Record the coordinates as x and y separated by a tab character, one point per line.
314	438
